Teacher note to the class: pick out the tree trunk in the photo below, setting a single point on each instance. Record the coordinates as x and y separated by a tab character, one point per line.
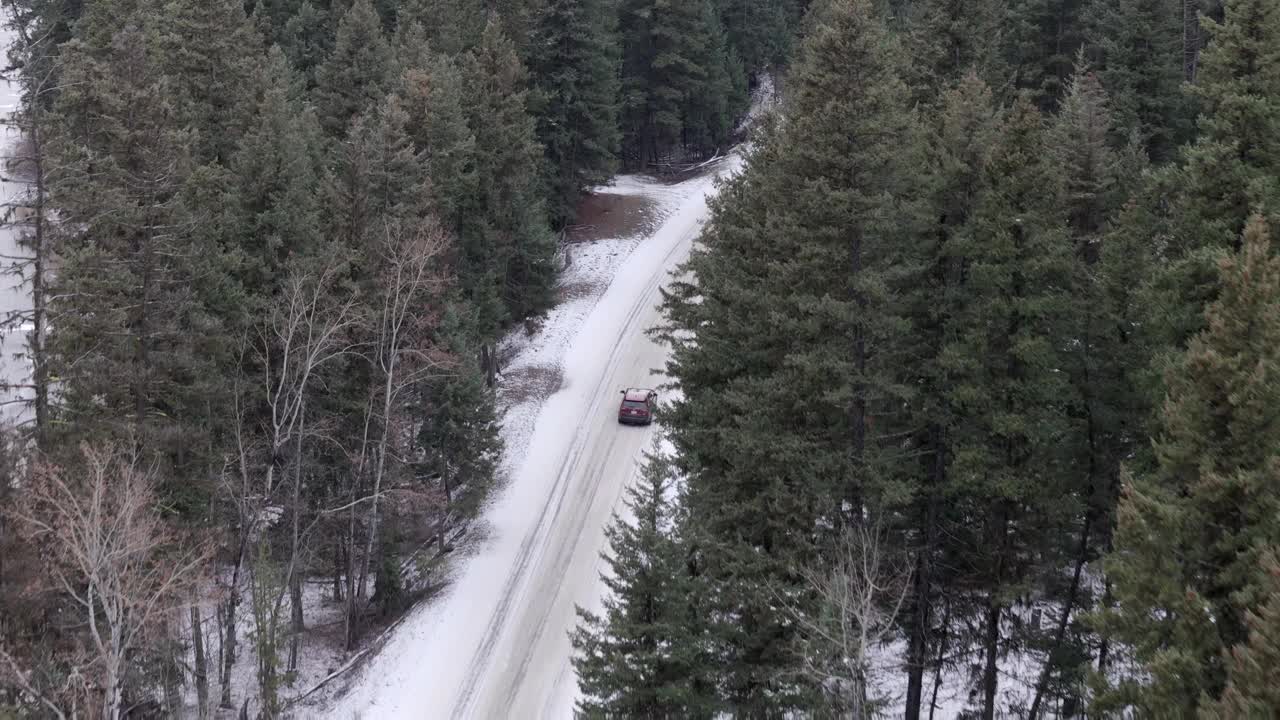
444	516
489	364
354	594
36	343
991	646
1060	632
991	651
296	625
201	668
171	673
918	644
1190	39
228	615
297	622
337	570
1104	648
942	653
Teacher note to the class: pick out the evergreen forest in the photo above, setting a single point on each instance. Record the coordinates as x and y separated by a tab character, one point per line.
975	365
978	410
271	249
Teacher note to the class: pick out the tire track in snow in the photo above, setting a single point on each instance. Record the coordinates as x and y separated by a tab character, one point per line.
532	547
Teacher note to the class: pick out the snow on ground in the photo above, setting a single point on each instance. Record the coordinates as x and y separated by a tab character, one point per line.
14	294
546	387
958	688
535	369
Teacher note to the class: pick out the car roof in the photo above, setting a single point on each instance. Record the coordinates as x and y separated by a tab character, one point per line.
637	394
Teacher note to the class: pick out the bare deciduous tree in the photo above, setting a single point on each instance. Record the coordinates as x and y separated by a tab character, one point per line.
110	553
859	597
400	351
307	328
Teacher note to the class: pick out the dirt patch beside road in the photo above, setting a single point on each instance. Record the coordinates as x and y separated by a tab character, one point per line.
602	216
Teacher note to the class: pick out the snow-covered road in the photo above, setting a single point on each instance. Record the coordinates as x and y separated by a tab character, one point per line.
496	646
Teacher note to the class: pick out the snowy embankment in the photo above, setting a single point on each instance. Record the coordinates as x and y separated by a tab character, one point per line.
15	294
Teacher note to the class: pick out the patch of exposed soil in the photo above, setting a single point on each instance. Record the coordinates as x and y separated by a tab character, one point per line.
529	383
602	216
577	290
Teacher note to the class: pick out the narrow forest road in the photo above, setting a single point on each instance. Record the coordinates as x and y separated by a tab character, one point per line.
496	646
521	668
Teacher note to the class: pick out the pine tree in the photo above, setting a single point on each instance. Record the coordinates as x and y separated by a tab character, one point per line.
758	31
458	437
682	84
432	95
210	51
377	177
805	342
357	74
574	63
645	655
137	349
307	39
506	247
1098	361
1253	687
950	38
1042	42
714	106
1187	570
673	73
960	146
278	167
453	26
1234	166
1004	359
1229	172
1136	46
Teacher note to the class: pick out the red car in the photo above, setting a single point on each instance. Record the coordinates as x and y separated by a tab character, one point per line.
638	405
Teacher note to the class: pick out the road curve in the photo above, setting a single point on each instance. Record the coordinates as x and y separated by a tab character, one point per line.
520	669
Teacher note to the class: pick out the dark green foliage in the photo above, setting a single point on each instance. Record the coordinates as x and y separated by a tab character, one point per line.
308	39
458	439
1136	47
759	31
278	165
1041	42
1004	361
950	38
792	365
1234	167
432	96
453	26
377	177
1199	209
646	656
136	350
958	150
682	85
1253	688
358	71
1191	535
1106	358
209	51
574	61
506	249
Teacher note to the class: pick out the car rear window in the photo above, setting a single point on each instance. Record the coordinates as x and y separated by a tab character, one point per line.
634	405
